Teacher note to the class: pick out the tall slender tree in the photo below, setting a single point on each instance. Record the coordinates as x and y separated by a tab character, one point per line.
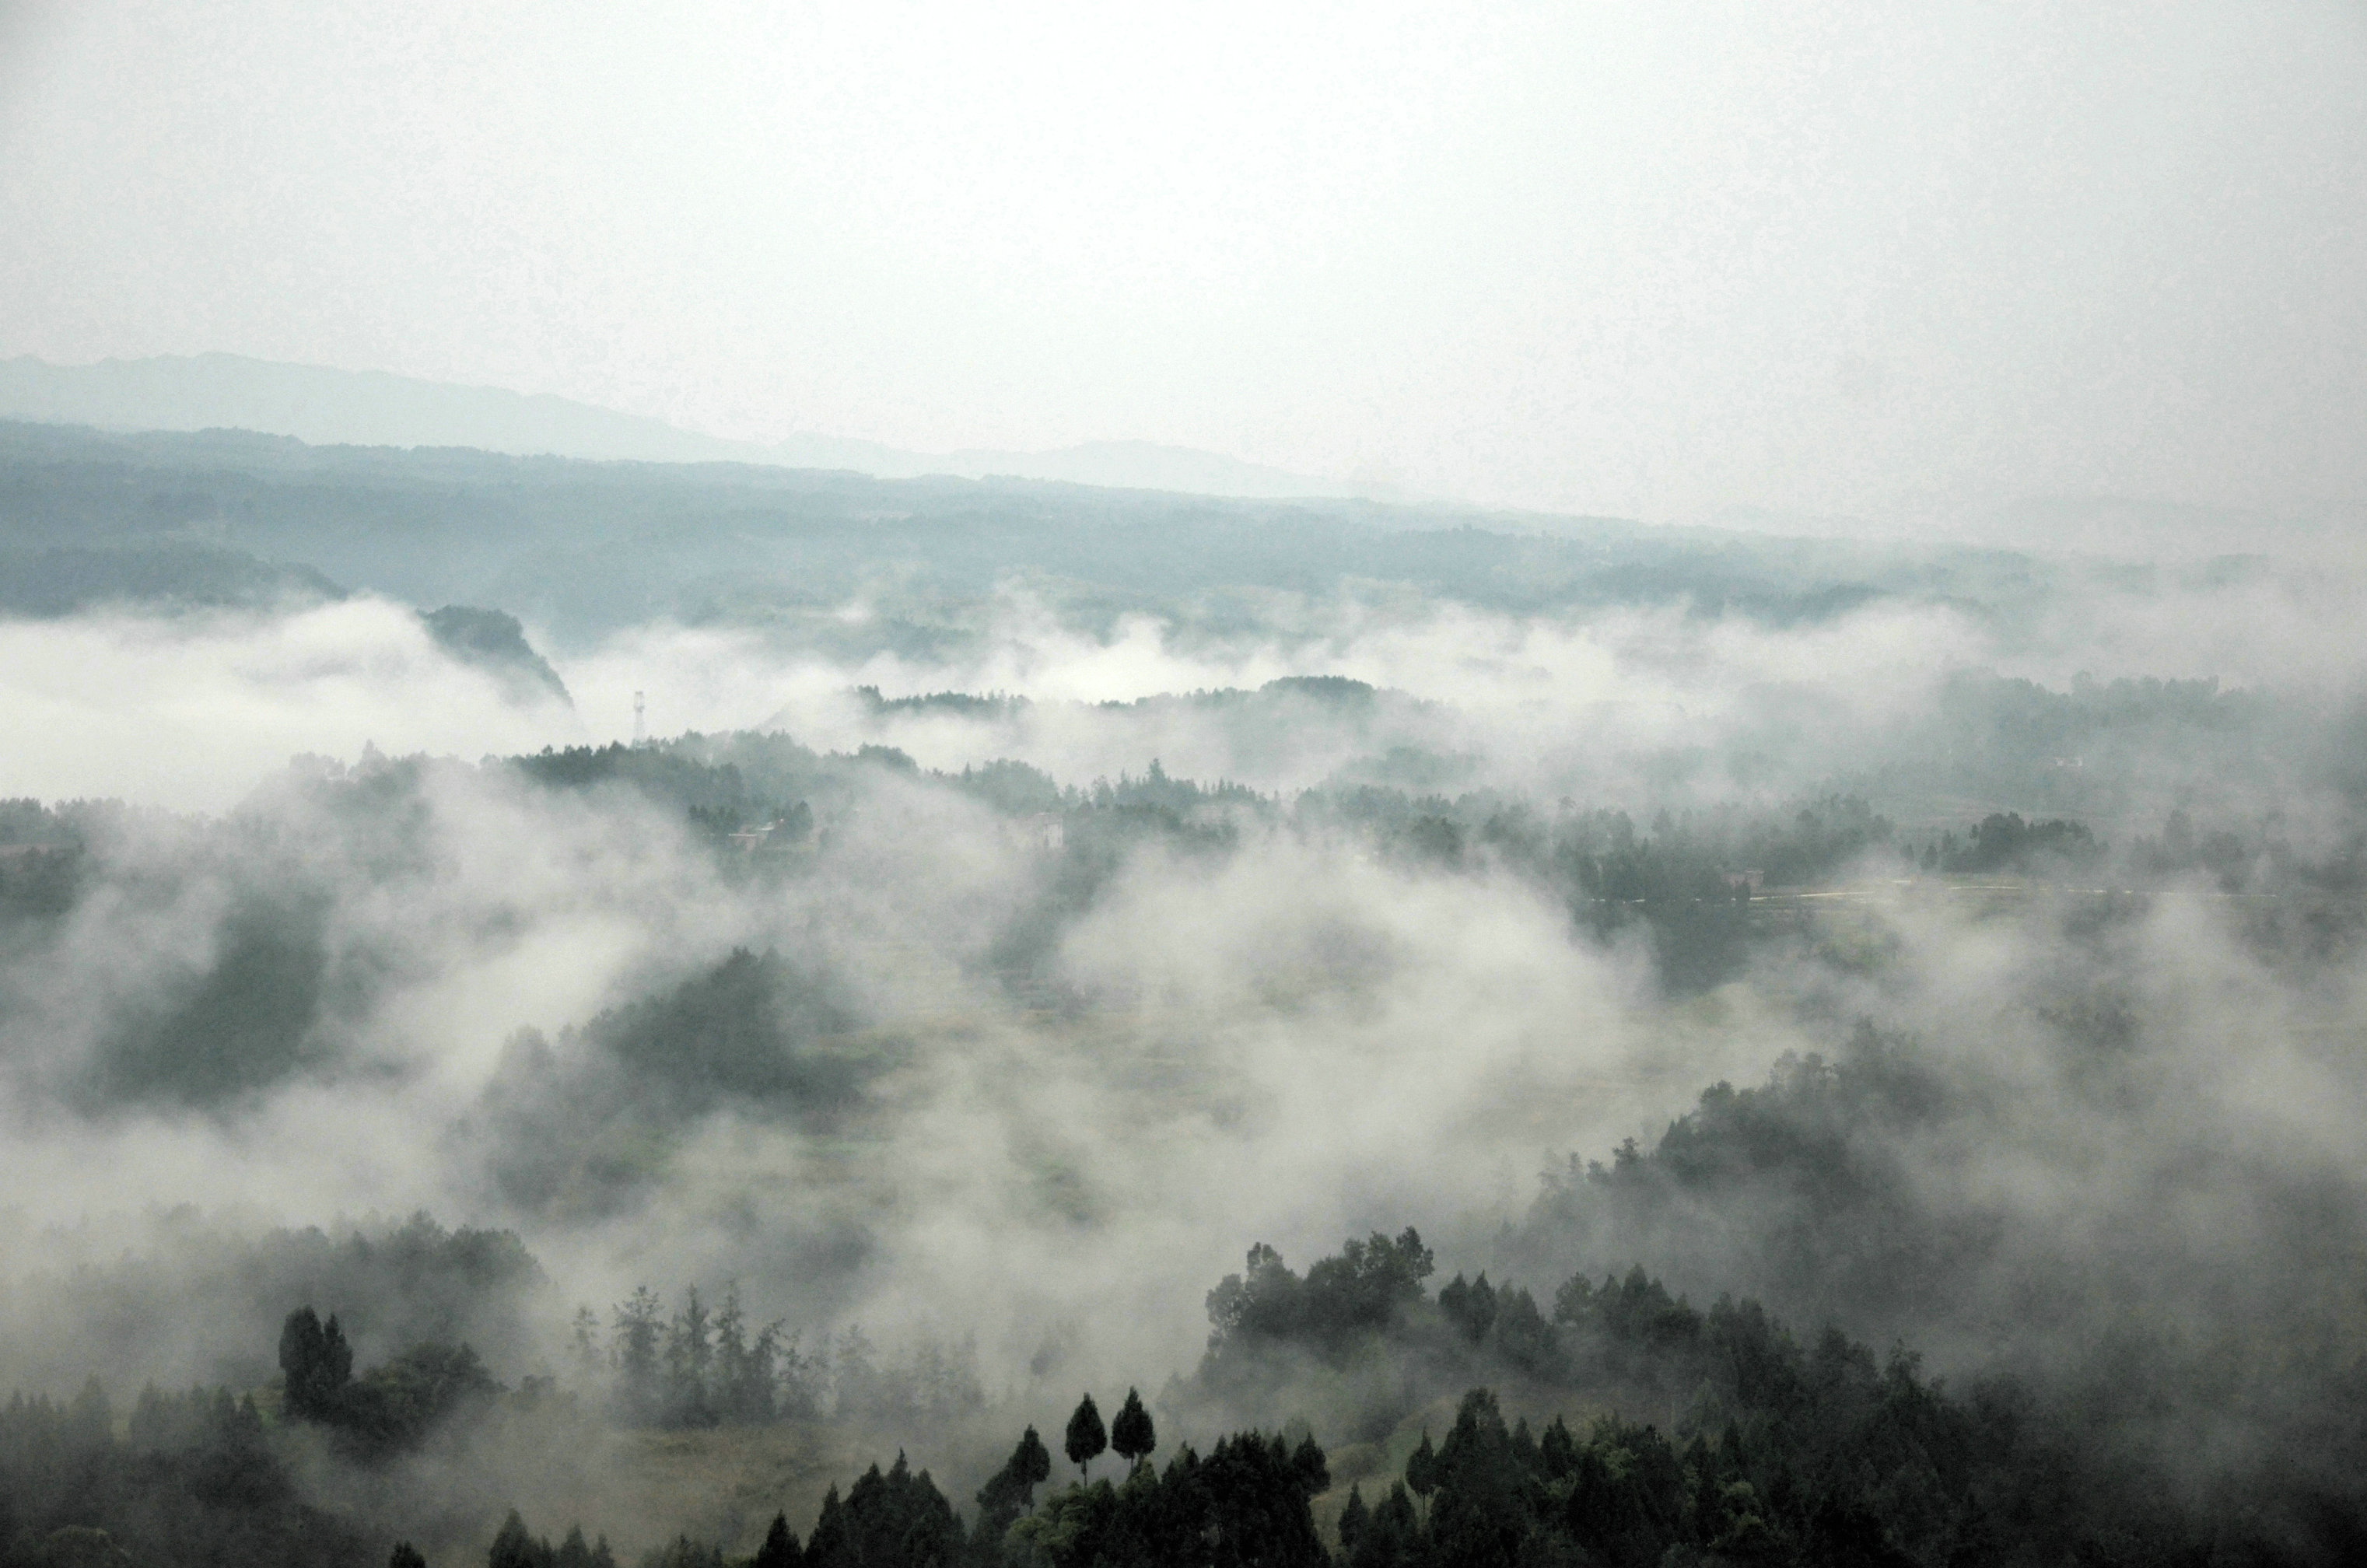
1032	1460
780	1548
1087	1437
1131	1434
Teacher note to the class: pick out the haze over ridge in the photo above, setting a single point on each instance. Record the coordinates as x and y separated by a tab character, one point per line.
324	406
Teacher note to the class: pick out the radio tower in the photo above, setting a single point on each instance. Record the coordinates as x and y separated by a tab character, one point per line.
640	728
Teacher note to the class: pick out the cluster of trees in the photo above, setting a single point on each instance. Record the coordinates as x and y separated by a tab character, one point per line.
580	1122
1362	1290
2004	841
1730	1439
394	1405
494	642
1247	1502
193	1478
1724	1438
707	1366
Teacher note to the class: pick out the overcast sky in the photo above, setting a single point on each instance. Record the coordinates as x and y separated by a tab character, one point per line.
1652	259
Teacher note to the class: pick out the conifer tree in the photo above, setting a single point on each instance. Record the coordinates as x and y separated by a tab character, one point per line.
1355	1520
1087	1437
827	1546
1131	1434
780	1548
1422	1468
1038	1459
515	1548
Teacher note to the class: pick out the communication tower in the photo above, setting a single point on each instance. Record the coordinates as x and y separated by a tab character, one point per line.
640	724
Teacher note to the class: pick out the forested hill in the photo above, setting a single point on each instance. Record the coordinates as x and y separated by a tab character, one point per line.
587	548
1665	1434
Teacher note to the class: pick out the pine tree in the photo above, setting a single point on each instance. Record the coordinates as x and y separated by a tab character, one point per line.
1355	1520
1086	1436
1131	1434
640	1322
405	1555
780	1548
300	1357
1039	1467
827	1547
689	1353
1422	1468
586	1344
337	1359
514	1548
727	1385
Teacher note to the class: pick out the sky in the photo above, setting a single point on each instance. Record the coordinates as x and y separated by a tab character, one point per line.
1649	260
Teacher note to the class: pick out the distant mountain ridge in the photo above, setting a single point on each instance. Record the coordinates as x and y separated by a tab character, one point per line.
370	408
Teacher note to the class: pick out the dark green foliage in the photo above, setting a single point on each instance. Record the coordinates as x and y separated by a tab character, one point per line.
1086	1439
231	1027
684	1553
994	705
397	1402
780	1549
1007	1494
1132	1437
392	1406
581	1125
669	774
495	643
1361	1290
1796	1189
195	1480
1470	1307
517	1547
896	1519
316	1364
1245	1504
1016	789
2004	841
1421	1467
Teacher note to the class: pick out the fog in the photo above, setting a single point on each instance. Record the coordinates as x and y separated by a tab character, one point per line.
1708	909
327	959
1656	263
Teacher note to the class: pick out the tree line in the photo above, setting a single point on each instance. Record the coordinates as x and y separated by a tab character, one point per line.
710	1366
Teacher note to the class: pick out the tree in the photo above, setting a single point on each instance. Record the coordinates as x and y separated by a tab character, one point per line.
587	1343
1131	1435
730	1377
639	1323
1086	1436
689	1353
515	1548
405	1555
1039	1465
1422	1468
780	1548
1355	1520
1012	1490
317	1361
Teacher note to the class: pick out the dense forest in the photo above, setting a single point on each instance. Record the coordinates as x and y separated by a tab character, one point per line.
1677	1435
1780	1115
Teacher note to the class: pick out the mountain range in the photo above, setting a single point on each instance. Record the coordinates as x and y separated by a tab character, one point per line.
328	407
